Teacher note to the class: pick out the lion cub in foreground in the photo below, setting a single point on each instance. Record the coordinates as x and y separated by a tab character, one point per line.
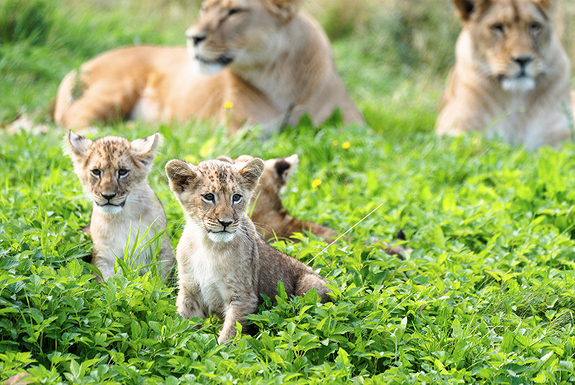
114	173
223	263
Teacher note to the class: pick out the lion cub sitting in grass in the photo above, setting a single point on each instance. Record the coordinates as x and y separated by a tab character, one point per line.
114	173
223	263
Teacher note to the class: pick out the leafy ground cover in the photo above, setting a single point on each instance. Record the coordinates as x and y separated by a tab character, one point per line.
486	296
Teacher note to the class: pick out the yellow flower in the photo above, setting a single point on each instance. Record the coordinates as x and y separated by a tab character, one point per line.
228	105
316	183
335	143
345	145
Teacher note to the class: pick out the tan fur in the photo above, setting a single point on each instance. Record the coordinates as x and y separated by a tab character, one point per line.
114	174
223	263
281	68
487	90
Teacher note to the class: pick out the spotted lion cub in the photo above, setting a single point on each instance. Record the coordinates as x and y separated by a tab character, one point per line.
223	263
114	173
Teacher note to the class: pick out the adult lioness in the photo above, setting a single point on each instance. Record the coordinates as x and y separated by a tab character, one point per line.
267	61
511	75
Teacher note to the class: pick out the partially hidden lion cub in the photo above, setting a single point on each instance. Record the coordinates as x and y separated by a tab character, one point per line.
114	173
267	212
248	62
223	263
511	75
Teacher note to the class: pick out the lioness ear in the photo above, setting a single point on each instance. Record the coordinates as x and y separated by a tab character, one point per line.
145	148
251	172
545	3
467	7
285	167
284	9
77	144
181	175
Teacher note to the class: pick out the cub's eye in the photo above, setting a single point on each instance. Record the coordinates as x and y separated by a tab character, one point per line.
209	197
498	28
535	27
236	198
96	172
123	172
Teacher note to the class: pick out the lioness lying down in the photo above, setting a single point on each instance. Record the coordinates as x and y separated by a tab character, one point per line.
248	62
511	75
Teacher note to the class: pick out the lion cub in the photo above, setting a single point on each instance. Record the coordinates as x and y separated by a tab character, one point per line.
114	173
223	263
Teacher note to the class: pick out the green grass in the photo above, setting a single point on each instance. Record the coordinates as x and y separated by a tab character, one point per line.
486	296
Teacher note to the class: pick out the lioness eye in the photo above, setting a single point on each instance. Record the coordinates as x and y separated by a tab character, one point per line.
209	197
498	27
123	172
96	172
233	11
236	198
535	27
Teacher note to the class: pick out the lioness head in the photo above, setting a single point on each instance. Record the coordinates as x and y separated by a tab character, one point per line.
214	194
110	168
242	32
510	38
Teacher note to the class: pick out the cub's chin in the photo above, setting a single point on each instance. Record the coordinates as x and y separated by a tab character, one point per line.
109	209
221	237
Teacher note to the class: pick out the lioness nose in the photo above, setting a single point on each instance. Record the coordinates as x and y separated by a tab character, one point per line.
523	60
109	196
197	38
225	223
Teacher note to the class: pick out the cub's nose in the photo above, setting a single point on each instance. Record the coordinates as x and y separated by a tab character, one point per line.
523	60
109	196
225	223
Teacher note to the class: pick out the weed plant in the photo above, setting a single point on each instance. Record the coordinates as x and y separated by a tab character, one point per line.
486	296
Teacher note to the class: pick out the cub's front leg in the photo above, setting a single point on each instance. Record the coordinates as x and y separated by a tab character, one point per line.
236	311
187	304
104	261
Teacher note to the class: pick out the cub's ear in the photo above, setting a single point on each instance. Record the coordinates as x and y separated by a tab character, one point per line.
251	172
285	167
78	145
286	10
467	7
243	158
181	175
144	149
225	158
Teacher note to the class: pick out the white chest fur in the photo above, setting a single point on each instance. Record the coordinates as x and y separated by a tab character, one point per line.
207	267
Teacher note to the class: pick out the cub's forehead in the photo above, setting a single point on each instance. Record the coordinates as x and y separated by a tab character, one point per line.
110	149
218	174
209	4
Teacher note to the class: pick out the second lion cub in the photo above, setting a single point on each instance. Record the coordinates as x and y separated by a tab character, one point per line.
114	174
223	263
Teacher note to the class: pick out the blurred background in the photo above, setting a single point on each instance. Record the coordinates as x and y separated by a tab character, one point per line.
394	55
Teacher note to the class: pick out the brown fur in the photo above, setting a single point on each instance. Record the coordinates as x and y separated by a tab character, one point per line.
272	220
223	263
269	60
511	75
114	172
